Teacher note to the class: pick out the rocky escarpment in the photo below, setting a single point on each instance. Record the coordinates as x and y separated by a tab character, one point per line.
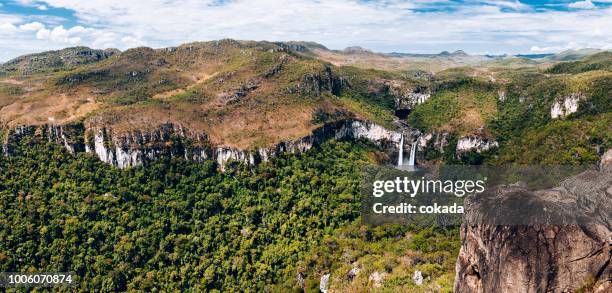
132	148
68	57
404	96
559	242
566	105
323	81
475	143
442	142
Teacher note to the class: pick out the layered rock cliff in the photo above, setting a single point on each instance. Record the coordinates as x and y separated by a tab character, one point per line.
132	148
560	242
566	105
475	143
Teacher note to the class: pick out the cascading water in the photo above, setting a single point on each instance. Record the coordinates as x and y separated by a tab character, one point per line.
412	154
400	157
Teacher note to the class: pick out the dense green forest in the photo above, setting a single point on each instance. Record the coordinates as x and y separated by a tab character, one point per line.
173	224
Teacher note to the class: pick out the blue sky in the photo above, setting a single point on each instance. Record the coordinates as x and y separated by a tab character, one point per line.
418	26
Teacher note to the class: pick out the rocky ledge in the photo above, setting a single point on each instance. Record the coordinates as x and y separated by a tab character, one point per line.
546	256
132	148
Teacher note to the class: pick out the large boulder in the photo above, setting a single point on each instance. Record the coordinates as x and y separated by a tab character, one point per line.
559	239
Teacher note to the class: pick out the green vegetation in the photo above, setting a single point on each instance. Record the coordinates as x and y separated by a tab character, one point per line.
599	61
392	251
517	114
10	90
461	105
173	225
560	142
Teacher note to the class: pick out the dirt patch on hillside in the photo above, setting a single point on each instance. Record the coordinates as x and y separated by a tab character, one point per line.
61	108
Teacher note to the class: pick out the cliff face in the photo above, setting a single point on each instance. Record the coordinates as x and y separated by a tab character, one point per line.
475	143
323	81
541	257
566	105
133	148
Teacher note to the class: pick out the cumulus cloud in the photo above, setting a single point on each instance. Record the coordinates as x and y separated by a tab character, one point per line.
390	25
32	26
8	28
587	4
516	5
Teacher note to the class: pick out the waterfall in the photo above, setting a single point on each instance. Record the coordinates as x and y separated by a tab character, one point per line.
400	157
412	154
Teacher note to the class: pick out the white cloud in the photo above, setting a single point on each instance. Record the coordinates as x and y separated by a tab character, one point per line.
391	25
587	4
42	7
61	35
516	5
32	26
131	42
43	34
8	28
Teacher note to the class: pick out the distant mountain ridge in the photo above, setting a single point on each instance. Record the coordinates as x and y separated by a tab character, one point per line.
53	60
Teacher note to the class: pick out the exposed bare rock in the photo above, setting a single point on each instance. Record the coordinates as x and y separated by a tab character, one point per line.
133	148
475	143
243	90
352	273
377	279
566	105
501	96
536	253
606	162
437	140
417	278
321	82
324	283
49	60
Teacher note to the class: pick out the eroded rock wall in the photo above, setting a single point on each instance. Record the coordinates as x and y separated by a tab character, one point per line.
540	257
132	148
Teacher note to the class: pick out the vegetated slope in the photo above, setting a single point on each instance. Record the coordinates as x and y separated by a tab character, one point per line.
241	94
54	60
599	61
175	225
249	94
515	106
530	134
572	55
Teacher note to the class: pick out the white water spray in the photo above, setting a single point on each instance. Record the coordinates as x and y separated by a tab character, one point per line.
412	154
400	157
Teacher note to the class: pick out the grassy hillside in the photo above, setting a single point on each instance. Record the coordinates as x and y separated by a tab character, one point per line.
52	61
599	61
249	94
513	106
242	94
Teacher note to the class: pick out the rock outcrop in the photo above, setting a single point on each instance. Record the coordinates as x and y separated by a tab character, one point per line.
566	105
537	253
324	283
475	143
406	98
69	57
133	148
321	82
